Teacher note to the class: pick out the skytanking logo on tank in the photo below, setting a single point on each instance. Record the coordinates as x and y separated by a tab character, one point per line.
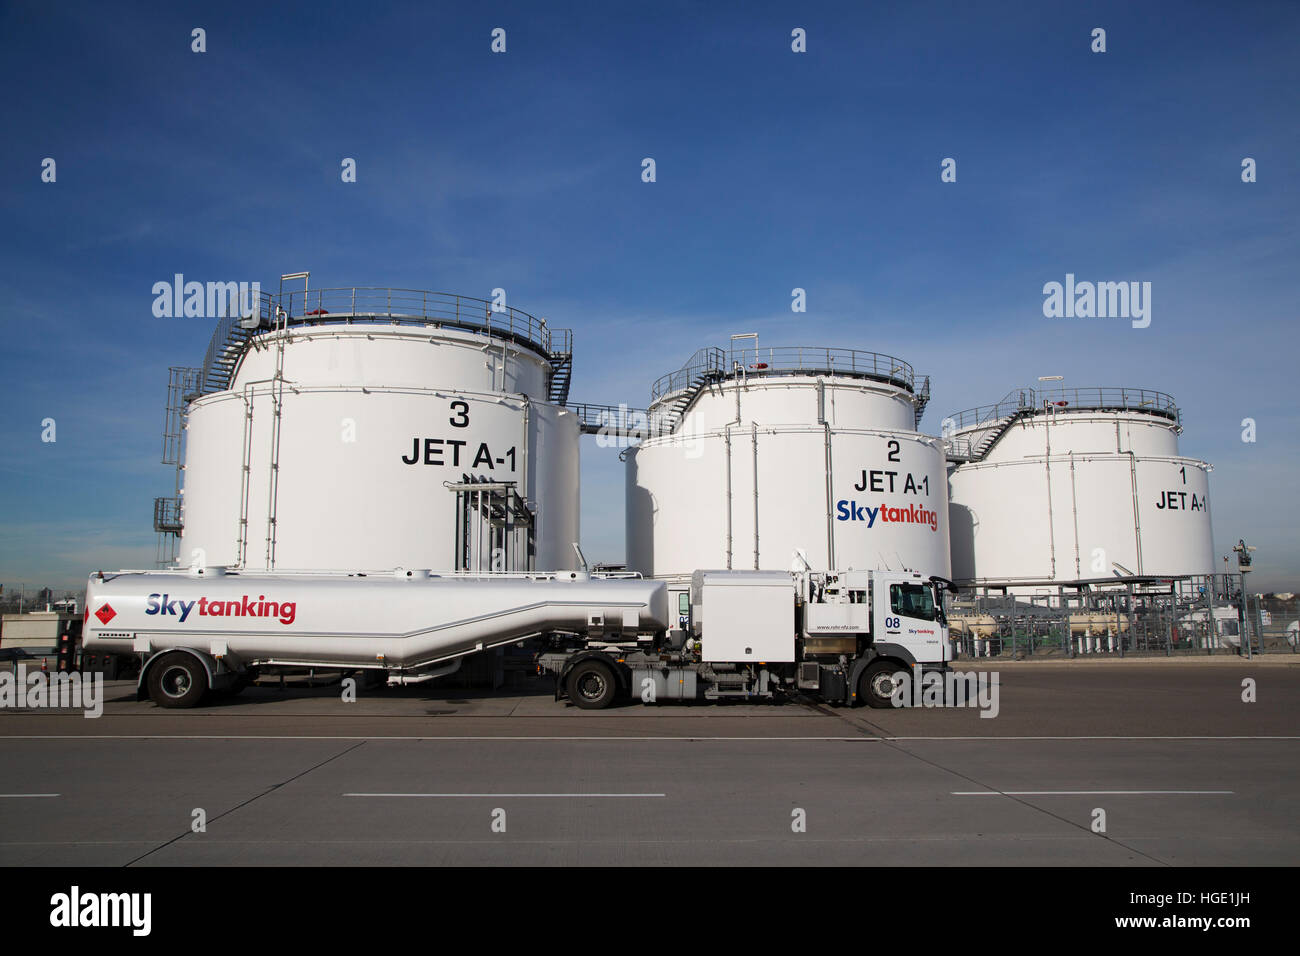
165	604
846	510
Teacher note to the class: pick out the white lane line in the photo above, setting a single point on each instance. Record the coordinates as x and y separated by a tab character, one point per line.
1134	737
11	796
4	737
1086	793
504	794
374	737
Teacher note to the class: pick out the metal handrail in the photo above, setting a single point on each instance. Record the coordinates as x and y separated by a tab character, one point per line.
167	515
402	306
705	362
792	360
373	304
958	449
1143	400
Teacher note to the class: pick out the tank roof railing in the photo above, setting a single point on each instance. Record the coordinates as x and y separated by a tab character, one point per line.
793	360
413	306
367	304
1022	400
704	364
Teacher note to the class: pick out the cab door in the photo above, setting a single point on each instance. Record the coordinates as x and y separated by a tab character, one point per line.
906	615
886	625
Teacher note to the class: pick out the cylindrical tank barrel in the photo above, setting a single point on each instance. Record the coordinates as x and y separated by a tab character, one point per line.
788	458
384	620
338	454
1079	490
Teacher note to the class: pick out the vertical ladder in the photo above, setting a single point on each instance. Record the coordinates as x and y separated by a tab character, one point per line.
277	407
182	385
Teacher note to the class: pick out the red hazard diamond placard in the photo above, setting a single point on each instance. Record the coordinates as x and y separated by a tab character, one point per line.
106	614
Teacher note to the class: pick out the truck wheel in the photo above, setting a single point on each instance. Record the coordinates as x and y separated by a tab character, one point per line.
177	680
592	685
877	683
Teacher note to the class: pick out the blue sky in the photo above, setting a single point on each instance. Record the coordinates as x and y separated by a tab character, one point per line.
775	170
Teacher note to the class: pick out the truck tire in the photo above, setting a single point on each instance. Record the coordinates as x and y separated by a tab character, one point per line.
592	685
177	680
876	685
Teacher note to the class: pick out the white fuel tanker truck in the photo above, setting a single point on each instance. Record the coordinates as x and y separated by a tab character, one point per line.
840	635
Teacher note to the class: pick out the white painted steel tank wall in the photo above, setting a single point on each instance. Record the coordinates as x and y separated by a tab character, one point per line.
786	400
399	355
1083	431
1114	491
355	490
681	515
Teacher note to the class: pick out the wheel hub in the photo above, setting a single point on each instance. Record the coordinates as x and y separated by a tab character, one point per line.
176	682
885	684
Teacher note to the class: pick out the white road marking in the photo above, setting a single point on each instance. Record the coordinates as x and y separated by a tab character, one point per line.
680	739
1086	793
504	794
1134	737
684	739
4	737
16	795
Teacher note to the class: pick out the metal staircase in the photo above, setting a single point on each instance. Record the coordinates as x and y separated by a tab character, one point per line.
561	358
706	366
672	416
227	345
990	437
921	399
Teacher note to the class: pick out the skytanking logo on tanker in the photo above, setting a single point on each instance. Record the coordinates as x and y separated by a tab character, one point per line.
846	510
165	604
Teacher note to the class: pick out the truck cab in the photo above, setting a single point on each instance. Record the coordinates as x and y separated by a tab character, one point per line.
864	628
845	636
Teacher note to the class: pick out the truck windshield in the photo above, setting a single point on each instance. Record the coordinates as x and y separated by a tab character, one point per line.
912	600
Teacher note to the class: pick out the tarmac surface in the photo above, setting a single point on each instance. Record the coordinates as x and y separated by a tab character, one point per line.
1185	772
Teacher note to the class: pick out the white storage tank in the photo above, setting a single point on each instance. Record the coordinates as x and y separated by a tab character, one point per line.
325	437
1058	485
758	454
